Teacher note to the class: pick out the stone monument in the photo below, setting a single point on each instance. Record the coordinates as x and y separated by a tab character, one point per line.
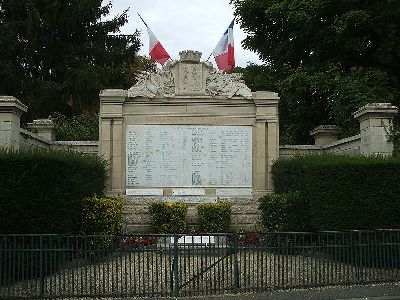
189	133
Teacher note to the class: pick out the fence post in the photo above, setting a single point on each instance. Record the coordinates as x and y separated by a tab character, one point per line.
41	277
235	263
359	254
175	267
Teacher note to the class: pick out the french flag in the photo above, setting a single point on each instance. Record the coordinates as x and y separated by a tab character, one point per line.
224	51
156	50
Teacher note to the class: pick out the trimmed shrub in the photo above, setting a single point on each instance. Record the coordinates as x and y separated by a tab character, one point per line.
41	191
344	192
102	215
214	217
84	127
284	212
169	217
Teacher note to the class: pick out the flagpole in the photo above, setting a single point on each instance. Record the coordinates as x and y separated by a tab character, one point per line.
209	56
142	20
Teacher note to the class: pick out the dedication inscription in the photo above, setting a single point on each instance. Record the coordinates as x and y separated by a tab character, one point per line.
188	155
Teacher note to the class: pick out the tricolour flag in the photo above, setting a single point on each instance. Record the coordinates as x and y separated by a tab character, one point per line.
156	50
224	51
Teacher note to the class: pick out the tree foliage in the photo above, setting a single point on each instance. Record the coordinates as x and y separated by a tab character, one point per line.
326	58
55	55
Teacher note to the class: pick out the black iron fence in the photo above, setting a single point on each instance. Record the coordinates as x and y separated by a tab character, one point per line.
55	266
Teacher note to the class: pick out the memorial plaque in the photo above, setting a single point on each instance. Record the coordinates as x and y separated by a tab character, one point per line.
188	156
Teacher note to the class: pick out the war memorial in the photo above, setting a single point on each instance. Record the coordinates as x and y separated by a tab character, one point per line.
189	133
193	134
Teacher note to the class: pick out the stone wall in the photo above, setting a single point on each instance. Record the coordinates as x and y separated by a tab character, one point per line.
257	111
88	147
376	122
245	213
40	134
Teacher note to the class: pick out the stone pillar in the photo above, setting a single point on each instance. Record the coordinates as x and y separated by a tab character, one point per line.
375	126
11	110
266	140
44	128
325	134
111	137
259	157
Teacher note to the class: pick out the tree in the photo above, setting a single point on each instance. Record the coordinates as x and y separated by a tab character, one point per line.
56	55
327	57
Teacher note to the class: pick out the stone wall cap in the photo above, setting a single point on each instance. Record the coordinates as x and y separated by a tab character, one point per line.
300	147
343	141
8	102
265	95
325	129
386	109
77	143
41	123
113	93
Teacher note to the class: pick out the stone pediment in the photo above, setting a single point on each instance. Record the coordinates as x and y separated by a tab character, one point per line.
189	77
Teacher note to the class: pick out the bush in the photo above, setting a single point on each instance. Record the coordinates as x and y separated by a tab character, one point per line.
344	192
42	191
102	215
84	127
169	217
214	217
284	212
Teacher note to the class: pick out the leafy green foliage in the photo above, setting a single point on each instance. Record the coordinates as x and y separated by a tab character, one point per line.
42	191
56	55
324	58
102	215
284	212
84	127
344	192
169	217
214	217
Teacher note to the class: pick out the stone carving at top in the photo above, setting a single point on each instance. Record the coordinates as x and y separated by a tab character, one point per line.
158	84
189	76
223	84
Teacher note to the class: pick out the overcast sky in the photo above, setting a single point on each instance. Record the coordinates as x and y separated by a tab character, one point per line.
184	25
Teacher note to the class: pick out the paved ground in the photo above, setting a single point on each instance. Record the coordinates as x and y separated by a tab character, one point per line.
356	292
386	291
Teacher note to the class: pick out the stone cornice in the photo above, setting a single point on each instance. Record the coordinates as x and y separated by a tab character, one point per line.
376	110
12	104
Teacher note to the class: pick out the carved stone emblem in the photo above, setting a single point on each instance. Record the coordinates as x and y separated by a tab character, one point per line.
190	78
187	75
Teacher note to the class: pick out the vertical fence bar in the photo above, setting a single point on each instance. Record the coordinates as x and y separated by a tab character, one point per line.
175	267
236	273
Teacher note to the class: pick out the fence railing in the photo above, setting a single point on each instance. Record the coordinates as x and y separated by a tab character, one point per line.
60	266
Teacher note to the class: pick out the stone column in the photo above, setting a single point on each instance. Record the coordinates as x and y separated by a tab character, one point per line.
325	134
266	140
111	139
11	110
259	157
44	128
375	126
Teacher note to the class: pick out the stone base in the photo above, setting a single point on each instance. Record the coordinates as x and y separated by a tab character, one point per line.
245	213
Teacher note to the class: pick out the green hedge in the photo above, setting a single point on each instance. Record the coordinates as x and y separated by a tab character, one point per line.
214	217
284	212
42	191
84	127
102	215
344	192
169	217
